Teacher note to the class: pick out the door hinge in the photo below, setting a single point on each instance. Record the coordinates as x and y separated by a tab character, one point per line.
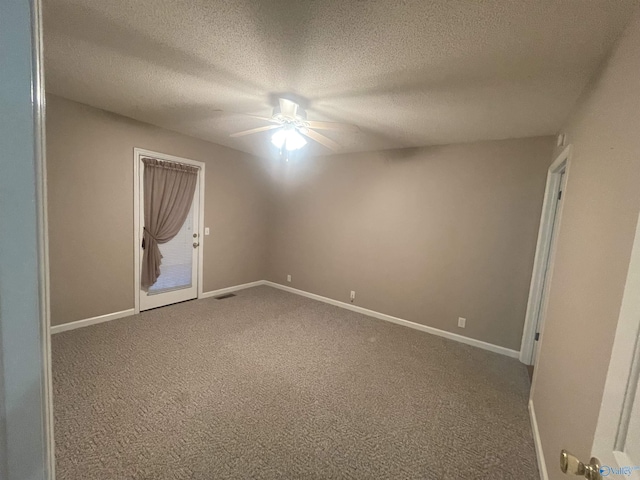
537	337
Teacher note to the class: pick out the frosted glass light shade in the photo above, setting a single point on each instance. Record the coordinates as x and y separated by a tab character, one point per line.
289	138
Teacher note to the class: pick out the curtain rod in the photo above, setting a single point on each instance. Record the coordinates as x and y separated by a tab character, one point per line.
170	161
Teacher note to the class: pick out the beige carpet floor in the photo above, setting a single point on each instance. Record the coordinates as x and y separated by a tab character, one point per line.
271	385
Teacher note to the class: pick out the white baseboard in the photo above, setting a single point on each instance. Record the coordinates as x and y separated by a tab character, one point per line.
222	291
542	465
407	323
91	321
371	313
126	313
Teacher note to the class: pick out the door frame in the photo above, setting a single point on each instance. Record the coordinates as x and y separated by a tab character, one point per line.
138	153
26	394
538	285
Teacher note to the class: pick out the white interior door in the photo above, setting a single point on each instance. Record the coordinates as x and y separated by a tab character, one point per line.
179	269
617	439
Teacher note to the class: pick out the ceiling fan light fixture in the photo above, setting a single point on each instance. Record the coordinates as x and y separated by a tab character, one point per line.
292	129
288	138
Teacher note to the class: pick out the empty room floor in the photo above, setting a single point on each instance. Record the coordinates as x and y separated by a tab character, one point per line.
272	385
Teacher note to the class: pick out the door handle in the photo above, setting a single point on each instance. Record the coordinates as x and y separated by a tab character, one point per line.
196	244
571	465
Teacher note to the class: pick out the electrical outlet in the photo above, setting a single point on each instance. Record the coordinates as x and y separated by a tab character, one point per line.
206	230
353	295
462	322
289	278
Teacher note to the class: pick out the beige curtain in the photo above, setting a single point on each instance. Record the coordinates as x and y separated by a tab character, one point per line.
168	194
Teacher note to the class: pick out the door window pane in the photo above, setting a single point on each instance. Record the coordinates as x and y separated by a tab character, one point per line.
176	266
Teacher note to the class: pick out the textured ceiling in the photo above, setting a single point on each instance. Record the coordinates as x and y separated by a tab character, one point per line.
408	73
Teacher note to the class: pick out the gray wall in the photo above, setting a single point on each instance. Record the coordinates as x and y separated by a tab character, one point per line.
594	247
90	181
428	235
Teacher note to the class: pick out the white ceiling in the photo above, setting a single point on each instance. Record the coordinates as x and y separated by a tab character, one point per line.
408	73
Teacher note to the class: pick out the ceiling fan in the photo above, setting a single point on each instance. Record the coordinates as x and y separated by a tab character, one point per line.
291	125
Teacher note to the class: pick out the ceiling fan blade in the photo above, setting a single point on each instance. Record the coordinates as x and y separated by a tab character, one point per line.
321	139
343	127
267	119
254	130
259	117
288	108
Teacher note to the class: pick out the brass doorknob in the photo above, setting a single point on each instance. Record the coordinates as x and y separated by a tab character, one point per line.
571	465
